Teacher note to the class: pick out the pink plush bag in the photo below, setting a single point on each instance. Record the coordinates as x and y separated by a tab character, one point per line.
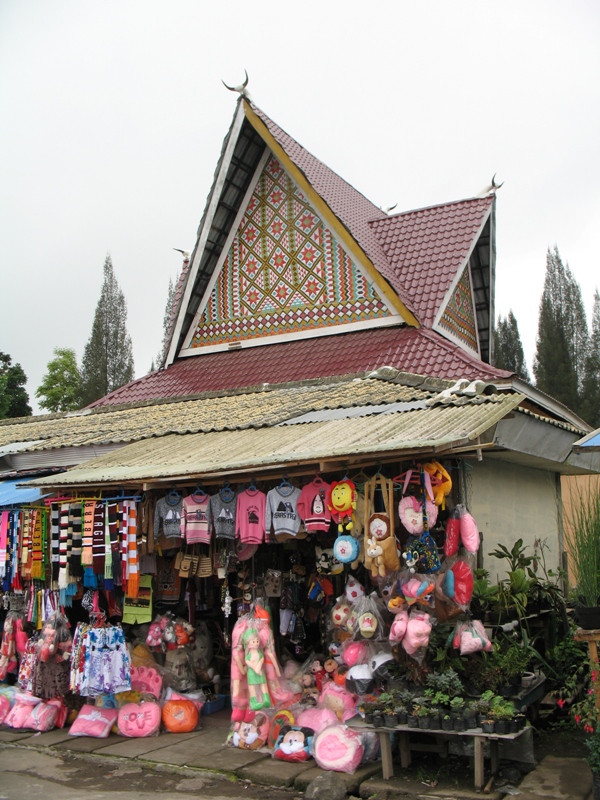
316	718
93	721
42	717
137	720
338	748
417	632
19	714
469	535
4	708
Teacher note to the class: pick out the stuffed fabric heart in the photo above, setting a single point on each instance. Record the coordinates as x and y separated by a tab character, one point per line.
469	535
410	511
452	539
339	749
316	718
398	629
137	720
417	633
470	637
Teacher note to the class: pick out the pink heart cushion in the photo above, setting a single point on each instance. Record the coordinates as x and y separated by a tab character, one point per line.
137	720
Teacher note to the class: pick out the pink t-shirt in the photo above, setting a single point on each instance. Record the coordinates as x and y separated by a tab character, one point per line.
250	516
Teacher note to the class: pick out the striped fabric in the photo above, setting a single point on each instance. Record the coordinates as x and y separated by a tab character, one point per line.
37	546
133	567
75	569
98	547
55	539
3	542
63	576
88	533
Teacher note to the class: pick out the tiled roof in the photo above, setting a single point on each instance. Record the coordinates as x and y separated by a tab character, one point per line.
225	453
230	411
419	351
425	248
351	207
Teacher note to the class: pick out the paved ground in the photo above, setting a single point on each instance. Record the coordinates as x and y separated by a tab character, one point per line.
57	765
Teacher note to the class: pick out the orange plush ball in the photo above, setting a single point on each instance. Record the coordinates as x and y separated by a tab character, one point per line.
179	716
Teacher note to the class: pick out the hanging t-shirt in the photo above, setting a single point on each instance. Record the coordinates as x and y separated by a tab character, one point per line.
167	517
250	516
312	506
194	519
282	510
222	513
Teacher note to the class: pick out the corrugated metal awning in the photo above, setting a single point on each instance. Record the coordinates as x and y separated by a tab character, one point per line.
10	495
437	430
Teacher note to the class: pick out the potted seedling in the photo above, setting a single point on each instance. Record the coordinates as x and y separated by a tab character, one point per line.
387	702
401	714
424	716
457	708
446	721
470	714
368	709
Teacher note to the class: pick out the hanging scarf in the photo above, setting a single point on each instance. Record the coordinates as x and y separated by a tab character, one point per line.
115	552
133	567
26	544
87	557
55	539
63	570
3	542
98	547
37	547
75	521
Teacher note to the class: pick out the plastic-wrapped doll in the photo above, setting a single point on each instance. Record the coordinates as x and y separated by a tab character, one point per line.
254	664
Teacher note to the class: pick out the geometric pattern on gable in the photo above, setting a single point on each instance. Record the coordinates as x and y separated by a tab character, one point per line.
285	272
459	315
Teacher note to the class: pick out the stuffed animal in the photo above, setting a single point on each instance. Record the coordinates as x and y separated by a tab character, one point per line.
338	748
398	628
417	633
341	501
440	480
381	556
410	511
294	744
354	590
252	733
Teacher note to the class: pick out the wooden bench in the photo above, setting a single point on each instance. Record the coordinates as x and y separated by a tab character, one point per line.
403	731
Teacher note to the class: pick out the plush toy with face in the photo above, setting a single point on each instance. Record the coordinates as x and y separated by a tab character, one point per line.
251	734
294	744
341	501
379	526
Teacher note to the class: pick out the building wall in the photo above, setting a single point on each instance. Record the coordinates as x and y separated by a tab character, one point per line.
511	502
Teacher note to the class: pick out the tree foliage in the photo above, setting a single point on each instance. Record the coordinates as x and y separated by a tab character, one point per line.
108	356
508	349
562	340
590	408
166	326
14	400
60	389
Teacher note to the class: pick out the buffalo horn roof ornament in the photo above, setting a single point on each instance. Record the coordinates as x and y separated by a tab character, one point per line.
241	88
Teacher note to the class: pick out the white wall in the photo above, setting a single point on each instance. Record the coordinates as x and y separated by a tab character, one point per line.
511	502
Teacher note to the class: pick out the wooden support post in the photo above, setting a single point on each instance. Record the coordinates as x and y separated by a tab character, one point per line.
387	764
478	744
494	759
405	756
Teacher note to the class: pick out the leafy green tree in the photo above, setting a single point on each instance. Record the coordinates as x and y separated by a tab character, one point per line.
508	349
590	407
562	340
14	400
60	389
108	356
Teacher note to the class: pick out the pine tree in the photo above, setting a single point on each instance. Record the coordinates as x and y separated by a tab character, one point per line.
508	349
108	357
590	408
562	340
60	389
14	400
166	325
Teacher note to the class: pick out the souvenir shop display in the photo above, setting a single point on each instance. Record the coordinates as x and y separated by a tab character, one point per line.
296	603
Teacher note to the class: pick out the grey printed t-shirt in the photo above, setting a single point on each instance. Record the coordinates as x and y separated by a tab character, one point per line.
222	515
282	510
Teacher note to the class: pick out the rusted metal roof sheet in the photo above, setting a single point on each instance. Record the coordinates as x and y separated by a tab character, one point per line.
437	429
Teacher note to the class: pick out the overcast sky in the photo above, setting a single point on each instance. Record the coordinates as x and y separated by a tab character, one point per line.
113	113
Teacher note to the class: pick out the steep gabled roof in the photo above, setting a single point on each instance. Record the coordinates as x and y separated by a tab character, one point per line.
419	351
426	248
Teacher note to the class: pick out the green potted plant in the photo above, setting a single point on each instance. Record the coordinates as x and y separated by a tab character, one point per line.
423	715
470	714
368	708
388	702
513	661
446	721
582	523
502	712
593	759
457	708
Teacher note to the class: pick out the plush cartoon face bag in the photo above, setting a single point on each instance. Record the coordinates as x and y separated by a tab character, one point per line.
294	743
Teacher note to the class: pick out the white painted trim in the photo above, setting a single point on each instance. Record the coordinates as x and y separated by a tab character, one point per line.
215	196
230	237
333	330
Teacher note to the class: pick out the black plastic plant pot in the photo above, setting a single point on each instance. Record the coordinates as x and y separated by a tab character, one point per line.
435	722
402	717
460	724
513	726
369	717
471	721
424	722
390	720
501	726
487	726
588	617
521	720
448	724
412	722
377	721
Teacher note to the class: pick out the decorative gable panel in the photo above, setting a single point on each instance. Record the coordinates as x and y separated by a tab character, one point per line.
284	273
458	318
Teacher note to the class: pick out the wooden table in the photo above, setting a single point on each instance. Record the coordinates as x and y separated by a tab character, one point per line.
403	731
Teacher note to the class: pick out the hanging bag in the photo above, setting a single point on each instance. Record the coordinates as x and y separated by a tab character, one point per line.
381	553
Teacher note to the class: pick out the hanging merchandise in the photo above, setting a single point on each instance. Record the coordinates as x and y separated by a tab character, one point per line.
100	663
470	637
410	511
341	501
222	512
281	516
195	517
313	508
250	516
457	584
381	553
469	534
8	649
50	676
439	481
416	637
167	520
452	533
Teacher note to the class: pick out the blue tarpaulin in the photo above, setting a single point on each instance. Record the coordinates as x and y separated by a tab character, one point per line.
11	496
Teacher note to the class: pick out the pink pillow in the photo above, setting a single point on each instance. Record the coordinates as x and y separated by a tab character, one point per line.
338	748
19	714
417	633
4	708
43	717
61	711
146	680
93	721
138	720
468	533
316	718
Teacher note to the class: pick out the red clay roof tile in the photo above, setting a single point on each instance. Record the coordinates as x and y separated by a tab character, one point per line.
418	351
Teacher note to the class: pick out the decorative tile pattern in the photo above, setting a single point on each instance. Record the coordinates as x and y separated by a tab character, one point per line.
284	272
459	314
